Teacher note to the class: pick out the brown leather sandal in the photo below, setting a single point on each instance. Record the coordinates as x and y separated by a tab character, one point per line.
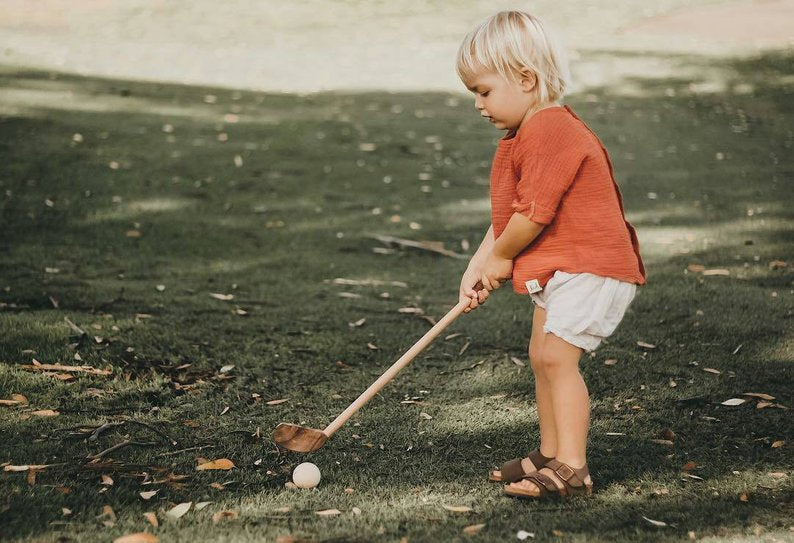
572	481
512	471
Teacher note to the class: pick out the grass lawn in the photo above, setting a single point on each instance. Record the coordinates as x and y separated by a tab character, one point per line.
125	206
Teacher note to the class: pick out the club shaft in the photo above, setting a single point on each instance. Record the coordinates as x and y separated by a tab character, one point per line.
395	368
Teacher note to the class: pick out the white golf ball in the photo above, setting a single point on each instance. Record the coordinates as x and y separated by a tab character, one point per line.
306	475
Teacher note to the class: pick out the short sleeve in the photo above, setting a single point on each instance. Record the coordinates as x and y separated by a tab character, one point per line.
544	178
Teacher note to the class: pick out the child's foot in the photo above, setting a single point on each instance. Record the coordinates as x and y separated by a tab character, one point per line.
531	463
530	488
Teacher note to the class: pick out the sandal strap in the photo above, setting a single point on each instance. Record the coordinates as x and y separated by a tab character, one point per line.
538	460
544	483
511	470
572	478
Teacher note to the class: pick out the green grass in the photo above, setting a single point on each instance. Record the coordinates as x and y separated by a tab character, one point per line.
296	213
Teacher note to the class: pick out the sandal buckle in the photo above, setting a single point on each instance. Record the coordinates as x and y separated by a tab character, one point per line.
565	472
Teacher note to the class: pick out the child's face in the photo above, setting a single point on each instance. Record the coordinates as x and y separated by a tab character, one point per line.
504	103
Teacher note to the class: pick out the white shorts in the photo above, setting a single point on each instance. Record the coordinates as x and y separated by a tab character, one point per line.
583	308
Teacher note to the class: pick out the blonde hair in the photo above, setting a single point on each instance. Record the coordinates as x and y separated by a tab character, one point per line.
509	42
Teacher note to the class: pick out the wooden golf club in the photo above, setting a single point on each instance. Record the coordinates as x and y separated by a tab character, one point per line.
301	439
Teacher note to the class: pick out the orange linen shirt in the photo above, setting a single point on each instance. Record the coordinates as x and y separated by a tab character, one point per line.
555	171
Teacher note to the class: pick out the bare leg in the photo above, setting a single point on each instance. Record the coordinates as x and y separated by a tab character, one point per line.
571	405
548	436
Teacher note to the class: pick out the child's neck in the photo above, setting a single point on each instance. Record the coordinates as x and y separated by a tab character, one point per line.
532	111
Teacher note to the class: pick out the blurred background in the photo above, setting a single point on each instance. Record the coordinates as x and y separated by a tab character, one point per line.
319	45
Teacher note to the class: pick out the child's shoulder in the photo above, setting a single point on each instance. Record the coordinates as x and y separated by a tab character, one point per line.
555	126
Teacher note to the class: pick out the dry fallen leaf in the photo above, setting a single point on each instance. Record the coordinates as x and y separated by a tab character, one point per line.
734	401
276	402
201	505
457	508
107	511
518	362
778	443
645	345
45	413
224	515
221	463
178	510
712	370
473	529
147	495
655	522
717	271
107	480
140	537
328	512
151	518
224	297
759	395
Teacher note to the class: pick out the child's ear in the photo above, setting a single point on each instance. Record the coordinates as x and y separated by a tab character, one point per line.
528	80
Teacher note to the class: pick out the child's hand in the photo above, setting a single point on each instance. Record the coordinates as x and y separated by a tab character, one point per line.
467	292
495	271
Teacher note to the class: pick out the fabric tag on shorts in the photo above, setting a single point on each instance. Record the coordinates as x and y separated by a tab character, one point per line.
533	286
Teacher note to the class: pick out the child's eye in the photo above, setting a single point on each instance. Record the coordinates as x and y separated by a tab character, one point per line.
484	94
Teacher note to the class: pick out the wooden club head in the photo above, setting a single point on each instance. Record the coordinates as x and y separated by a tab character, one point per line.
298	438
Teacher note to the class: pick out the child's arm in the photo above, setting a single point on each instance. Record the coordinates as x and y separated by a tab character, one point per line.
472	274
498	266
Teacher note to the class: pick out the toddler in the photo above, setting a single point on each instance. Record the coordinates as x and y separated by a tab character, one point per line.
558	231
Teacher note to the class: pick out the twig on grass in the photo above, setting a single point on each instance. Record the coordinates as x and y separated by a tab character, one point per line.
95	434
117	446
196	448
157	431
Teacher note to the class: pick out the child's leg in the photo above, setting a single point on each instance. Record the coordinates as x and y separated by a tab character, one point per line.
570	405
548	433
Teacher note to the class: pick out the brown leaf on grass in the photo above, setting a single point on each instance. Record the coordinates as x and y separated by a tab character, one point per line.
358	323
518	362
217	486
140	537
25	467
107	480
759	395
658	523
473	529
645	345
31	477
276	402
777	264
292	539
151	518
107	511
45	413
148	495
201	505
224	297
221	463
610	361
696	268
410	310
457	508
717	271
778	443
712	370
178	510
778	474
689	466
328	512
224	515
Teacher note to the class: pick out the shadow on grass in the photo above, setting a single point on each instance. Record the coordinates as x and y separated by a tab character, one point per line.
131	206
